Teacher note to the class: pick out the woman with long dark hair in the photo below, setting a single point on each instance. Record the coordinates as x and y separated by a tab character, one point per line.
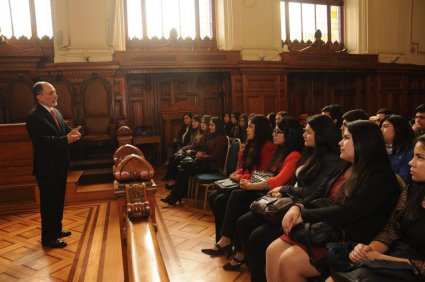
256	155
209	160
402	241
288	137
321	154
398	137
363	193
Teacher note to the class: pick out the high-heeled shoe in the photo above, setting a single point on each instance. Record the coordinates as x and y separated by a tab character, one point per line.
165	200
172	201
234	267
219	251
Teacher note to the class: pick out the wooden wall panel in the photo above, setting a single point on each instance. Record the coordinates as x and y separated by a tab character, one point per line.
19	100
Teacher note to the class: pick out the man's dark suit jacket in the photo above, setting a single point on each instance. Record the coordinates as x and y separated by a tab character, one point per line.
51	157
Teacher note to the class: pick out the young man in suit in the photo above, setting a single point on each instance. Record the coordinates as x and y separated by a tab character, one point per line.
50	138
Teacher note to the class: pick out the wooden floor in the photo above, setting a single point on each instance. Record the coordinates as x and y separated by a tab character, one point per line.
94	253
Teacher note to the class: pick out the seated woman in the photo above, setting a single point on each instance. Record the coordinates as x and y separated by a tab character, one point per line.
398	137
402	239
227	124
174	161
256	155
209	160
288	137
234	120
320	156
183	137
364	191
243	125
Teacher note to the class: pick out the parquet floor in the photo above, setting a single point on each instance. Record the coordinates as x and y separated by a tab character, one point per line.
94	252
94	243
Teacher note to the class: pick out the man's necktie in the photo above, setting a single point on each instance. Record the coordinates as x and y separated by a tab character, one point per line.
55	118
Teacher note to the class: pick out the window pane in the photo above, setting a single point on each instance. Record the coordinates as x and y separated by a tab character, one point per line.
205	18
322	21
335	23
309	25
187	11
282	20
21	18
134	19
171	17
295	21
43	16
5	23
154	18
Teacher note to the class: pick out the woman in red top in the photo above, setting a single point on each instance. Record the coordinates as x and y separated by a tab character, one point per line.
256	155
288	137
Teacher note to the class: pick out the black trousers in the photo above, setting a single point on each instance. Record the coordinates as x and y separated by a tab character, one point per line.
255	235
218	203
52	199
238	205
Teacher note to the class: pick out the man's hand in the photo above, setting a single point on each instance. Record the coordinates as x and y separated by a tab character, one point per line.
74	135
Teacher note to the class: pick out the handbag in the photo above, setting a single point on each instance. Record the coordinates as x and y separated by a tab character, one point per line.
187	163
227	184
271	209
315	234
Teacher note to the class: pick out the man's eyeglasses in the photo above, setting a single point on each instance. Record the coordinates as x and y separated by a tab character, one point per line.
419	117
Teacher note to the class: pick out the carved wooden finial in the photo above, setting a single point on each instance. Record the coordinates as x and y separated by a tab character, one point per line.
137	203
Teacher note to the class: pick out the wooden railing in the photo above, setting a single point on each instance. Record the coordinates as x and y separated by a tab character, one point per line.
141	253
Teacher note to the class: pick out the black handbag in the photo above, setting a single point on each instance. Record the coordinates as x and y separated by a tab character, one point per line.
187	163
315	234
271	209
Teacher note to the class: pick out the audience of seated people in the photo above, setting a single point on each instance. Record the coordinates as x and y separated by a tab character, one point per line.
363	191
347	182
287	135
210	160
321	154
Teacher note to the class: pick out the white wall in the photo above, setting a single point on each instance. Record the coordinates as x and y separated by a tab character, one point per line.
394	29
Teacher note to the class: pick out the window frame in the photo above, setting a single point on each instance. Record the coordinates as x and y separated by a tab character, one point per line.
298	45
159	43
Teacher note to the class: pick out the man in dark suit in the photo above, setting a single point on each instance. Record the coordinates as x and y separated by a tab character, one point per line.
50	138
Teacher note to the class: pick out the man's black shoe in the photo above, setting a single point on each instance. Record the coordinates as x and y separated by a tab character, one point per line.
56	244
64	233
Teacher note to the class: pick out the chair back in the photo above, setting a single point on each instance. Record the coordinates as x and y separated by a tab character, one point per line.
232	159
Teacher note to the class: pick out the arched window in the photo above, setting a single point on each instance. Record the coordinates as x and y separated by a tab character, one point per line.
155	23
25	19
300	19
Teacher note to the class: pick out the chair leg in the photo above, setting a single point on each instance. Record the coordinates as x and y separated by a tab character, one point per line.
207	187
197	184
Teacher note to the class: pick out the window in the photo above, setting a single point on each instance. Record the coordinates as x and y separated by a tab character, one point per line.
165	20
25	18
300	19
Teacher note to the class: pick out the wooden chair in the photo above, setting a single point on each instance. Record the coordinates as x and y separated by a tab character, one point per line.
206	180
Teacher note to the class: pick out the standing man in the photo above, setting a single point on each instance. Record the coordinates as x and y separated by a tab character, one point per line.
50	137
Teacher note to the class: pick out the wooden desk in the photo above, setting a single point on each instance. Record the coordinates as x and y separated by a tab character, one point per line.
152	139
